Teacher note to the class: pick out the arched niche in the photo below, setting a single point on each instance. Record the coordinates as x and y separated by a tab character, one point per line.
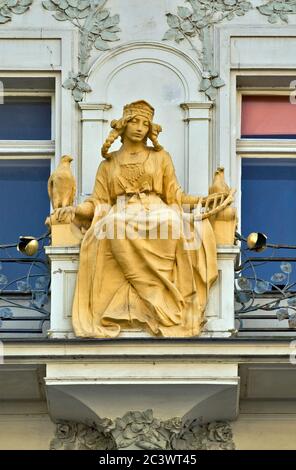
168	79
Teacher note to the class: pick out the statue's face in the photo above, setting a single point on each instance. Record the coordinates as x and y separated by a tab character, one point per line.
137	129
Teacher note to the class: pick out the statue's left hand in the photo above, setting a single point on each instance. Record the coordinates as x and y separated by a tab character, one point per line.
64	214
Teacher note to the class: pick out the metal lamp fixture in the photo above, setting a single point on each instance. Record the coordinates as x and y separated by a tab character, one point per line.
28	245
256	241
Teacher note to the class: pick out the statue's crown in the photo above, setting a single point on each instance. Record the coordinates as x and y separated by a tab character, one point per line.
138	108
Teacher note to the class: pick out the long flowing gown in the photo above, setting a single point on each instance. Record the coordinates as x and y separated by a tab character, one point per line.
138	268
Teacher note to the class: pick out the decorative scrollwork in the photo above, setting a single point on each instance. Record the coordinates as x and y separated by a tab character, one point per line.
274	294
24	300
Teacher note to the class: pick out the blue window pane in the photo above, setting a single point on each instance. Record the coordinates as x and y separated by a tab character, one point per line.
25	119
269	206
24	206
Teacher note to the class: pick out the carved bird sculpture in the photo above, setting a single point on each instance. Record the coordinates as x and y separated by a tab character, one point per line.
61	184
219	185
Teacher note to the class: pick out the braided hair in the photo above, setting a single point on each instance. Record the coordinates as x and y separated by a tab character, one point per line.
118	128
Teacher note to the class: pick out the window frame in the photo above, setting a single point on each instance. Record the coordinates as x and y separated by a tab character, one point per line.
258	148
35	149
30	149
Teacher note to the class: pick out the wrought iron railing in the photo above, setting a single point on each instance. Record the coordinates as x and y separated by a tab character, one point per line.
265	300
24	291
264	305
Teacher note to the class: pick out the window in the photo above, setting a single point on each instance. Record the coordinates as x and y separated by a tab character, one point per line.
25	118
267	147
26	150
24	206
268	117
268	190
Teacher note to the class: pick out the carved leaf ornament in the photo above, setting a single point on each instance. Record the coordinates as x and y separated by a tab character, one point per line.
97	27
277	11
196	22
10	7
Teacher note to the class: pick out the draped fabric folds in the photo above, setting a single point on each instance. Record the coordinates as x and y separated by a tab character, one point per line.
140	267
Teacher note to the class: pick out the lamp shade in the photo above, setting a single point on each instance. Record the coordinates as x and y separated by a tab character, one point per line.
28	245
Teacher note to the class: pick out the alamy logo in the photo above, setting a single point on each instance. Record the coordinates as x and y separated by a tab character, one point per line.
155	221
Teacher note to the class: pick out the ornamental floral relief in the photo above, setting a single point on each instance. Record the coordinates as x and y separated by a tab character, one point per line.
142	430
278	11
70	435
97	29
10	7
195	24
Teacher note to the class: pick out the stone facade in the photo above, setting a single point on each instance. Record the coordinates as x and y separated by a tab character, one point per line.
192	60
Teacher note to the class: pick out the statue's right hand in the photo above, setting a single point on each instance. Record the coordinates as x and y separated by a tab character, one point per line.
65	214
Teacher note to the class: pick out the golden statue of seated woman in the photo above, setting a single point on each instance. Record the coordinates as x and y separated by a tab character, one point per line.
148	255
